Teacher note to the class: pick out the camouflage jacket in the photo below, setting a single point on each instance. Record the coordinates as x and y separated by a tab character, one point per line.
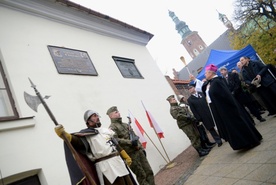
182	115
122	134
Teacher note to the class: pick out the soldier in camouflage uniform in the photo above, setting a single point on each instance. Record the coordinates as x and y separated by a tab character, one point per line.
185	122
130	143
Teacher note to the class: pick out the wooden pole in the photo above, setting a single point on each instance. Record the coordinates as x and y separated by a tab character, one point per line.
74	152
157	135
156	147
152	142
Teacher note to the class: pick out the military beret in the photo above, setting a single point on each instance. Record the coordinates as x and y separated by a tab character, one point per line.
111	109
171	96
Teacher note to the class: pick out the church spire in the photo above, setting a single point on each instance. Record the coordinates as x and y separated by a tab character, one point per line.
223	18
180	26
192	42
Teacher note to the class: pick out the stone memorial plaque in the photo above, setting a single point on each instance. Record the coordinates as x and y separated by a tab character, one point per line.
127	67
71	61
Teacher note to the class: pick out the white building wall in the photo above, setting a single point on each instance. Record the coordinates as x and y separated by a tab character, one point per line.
31	144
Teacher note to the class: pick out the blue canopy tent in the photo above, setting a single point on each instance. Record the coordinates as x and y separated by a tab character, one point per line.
227	58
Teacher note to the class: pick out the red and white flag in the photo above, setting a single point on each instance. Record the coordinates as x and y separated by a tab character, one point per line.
138	129
153	123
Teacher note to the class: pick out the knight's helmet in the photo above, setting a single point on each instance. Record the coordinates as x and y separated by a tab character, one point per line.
89	113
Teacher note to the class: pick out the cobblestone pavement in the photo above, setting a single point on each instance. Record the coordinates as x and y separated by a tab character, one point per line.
185	164
225	166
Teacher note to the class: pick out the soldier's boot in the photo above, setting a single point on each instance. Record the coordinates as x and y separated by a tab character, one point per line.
202	152
207	146
205	142
210	144
208	149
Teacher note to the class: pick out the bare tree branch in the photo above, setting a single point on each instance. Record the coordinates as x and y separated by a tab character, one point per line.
247	10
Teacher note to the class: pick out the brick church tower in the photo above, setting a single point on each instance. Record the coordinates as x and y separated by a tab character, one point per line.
192	42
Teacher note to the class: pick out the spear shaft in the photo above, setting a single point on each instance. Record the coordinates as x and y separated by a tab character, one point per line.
73	151
44	103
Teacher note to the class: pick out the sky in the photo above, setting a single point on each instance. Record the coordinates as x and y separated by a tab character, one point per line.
153	16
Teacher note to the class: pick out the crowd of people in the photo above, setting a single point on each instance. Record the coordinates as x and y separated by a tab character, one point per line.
233	122
233	83
262	78
223	106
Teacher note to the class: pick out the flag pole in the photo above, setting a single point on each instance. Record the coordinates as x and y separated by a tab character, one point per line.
162	145
154	144
158	138
156	147
170	164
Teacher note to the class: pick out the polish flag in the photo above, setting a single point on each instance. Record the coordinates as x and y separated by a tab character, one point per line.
138	129
153	123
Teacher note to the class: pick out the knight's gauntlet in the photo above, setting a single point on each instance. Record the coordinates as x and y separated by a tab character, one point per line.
126	157
59	129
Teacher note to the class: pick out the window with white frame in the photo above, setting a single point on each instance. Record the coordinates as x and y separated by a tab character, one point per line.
7	106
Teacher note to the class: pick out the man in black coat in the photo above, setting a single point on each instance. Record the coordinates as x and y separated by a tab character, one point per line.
233	82
232	123
202	113
256	73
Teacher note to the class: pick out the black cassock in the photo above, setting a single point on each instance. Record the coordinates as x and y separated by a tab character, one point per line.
201	111
233	124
